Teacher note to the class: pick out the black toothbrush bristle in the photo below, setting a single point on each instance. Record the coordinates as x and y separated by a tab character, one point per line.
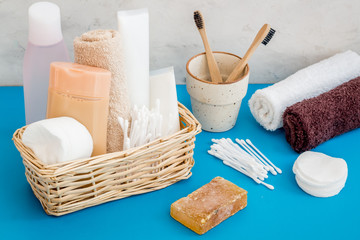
198	20
268	37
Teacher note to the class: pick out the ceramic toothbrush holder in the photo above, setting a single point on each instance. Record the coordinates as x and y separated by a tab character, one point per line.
216	106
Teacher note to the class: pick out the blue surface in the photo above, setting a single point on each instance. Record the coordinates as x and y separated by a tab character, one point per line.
285	213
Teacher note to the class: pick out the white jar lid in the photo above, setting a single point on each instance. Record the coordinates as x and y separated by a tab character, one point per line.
320	175
44	24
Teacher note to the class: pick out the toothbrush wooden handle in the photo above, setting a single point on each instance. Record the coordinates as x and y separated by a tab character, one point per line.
256	42
213	67
241	65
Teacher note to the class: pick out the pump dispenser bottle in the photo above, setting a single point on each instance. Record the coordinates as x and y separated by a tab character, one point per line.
45	45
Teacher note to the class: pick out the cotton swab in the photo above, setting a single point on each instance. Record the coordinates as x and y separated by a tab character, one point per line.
232	155
253	153
250	174
253	146
258	181
146	126
221	146
245	158
226	156
245	148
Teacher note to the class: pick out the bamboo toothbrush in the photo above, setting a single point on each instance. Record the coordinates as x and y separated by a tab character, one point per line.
264	36
213	67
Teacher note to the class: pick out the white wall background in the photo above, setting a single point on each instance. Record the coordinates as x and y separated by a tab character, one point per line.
307	31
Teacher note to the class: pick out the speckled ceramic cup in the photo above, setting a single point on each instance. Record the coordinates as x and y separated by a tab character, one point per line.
216	106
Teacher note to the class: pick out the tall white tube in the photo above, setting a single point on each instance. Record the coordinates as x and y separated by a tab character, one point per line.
134	34
163	87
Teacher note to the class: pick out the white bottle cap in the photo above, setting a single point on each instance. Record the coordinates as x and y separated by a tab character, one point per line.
44	24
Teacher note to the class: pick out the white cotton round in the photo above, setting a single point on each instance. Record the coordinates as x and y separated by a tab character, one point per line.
320	175
328	191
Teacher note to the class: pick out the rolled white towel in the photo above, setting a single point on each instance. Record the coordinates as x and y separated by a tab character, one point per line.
268	105
58	140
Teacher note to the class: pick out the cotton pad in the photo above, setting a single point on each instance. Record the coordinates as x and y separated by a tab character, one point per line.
58	140
320	175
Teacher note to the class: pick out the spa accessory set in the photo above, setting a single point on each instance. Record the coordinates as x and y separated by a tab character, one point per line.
104	127
113	128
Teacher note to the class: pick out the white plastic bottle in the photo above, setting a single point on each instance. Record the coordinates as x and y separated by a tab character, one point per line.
45	45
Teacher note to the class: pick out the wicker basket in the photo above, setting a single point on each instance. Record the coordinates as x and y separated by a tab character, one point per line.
67	187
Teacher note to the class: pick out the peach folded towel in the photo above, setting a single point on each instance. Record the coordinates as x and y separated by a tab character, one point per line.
102	48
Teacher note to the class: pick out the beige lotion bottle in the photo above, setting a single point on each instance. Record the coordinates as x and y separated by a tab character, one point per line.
81	92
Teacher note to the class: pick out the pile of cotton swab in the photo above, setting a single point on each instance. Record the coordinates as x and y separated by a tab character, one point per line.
145	127
247	160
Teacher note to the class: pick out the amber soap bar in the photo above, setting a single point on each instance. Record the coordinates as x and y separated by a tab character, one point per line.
209	205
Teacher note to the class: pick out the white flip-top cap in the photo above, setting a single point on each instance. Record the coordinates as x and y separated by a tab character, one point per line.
44	24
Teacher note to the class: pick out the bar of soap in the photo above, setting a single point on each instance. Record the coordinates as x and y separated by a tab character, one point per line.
209	205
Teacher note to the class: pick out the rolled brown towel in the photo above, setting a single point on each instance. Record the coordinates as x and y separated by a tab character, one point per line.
102	48
313	121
